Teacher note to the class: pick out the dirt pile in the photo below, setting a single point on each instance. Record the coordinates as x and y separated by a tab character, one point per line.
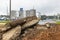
52	33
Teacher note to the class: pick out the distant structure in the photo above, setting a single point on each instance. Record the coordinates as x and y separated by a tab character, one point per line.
31	12
13	14
21	13
27	13
58	16
39	14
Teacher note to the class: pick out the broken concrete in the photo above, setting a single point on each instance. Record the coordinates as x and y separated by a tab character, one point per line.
12	34
11	30
30	23
21	21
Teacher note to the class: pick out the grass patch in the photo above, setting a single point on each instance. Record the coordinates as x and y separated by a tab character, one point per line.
4	21
58	22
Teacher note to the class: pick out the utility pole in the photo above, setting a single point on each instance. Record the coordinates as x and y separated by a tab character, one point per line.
10	10
7	10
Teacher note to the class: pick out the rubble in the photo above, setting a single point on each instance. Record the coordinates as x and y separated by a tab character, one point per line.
12	34
11	27
14	23
29	29
21	21
30	23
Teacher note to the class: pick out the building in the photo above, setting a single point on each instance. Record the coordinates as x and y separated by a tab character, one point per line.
21	13
43	17
13	14
27	13
31	12
58	16
38	14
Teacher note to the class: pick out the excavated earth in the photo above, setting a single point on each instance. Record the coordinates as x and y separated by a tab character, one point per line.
52	33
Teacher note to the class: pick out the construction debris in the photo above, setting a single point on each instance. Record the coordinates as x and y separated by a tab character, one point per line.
30	23
29	29
12	34
21	21
17	22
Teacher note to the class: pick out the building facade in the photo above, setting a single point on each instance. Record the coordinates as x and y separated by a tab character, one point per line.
13	14
21	13
27	13
31	12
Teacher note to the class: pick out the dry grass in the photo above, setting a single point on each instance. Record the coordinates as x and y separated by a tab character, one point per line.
2	25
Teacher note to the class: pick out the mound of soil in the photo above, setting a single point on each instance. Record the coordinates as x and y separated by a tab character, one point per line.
52	33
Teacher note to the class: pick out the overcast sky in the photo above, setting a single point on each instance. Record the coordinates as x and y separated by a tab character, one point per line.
48	7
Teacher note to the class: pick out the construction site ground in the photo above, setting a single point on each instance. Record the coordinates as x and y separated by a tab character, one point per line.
40	32
29	29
